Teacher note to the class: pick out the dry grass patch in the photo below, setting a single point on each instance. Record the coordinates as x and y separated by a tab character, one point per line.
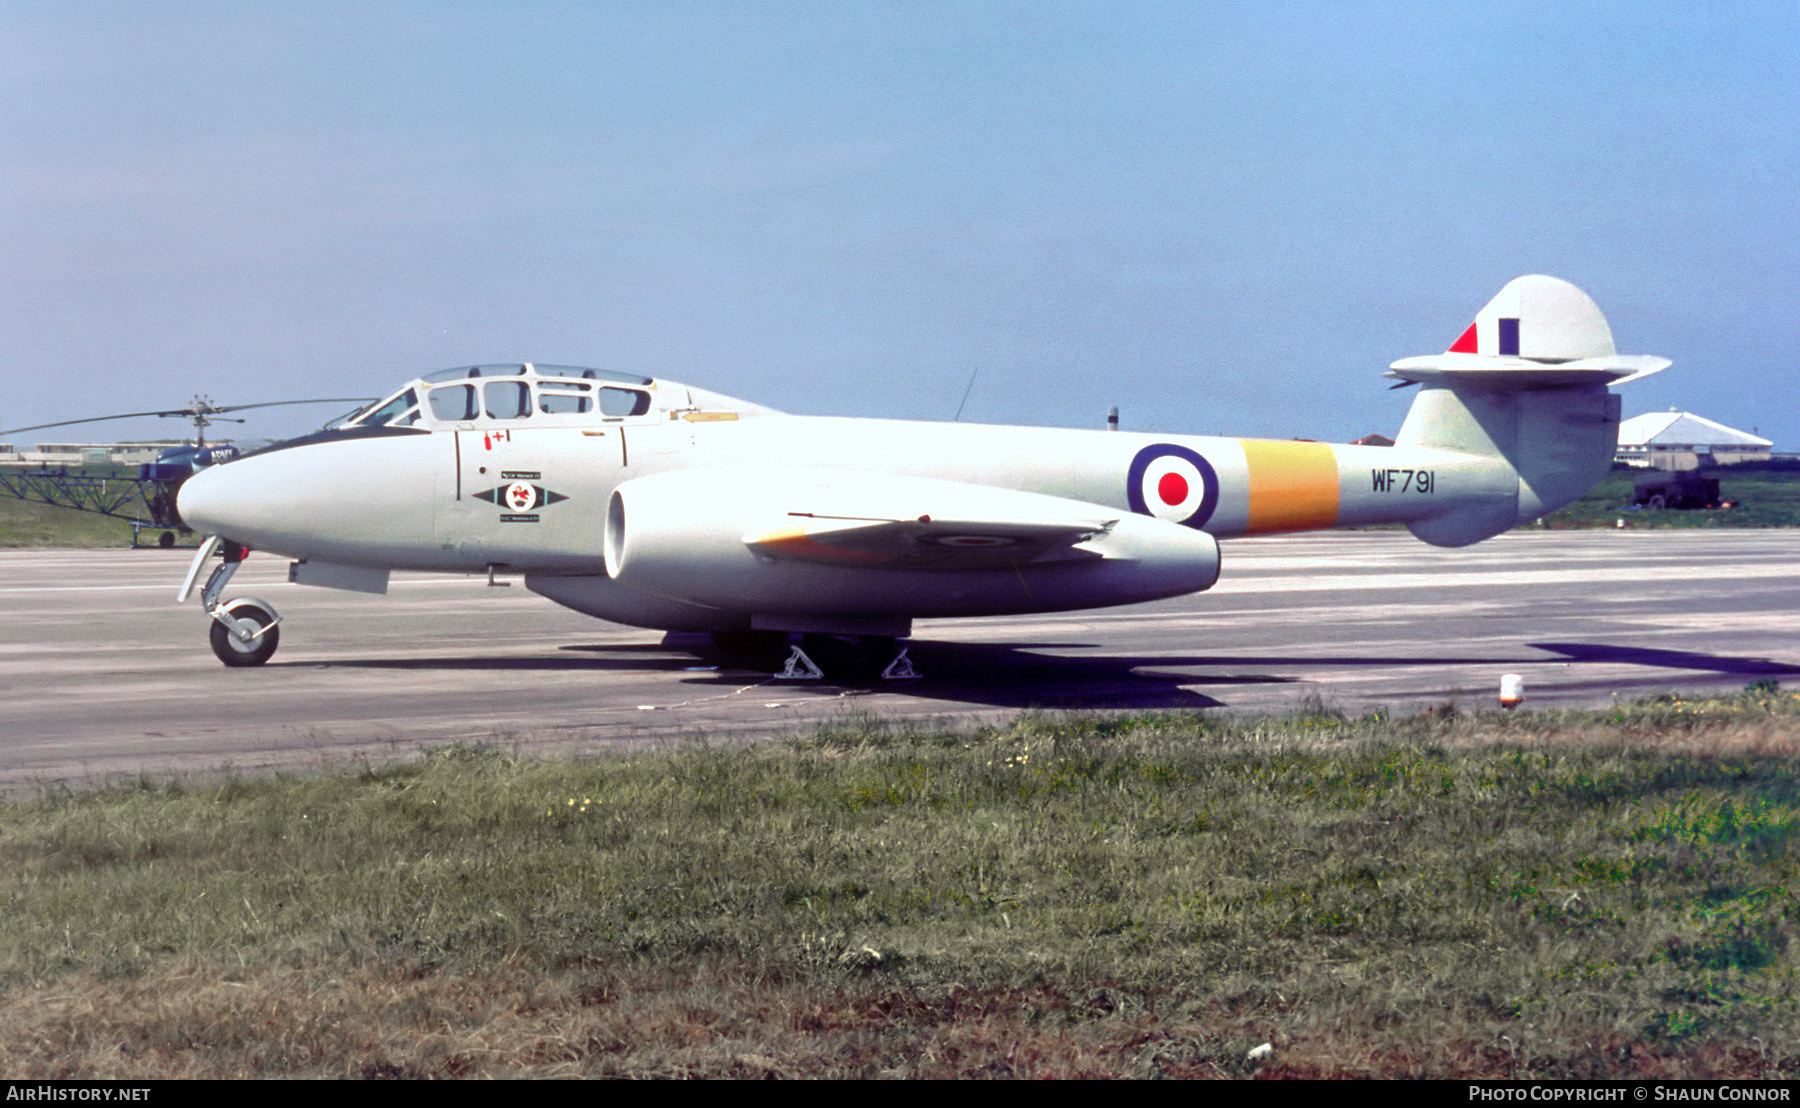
706	1019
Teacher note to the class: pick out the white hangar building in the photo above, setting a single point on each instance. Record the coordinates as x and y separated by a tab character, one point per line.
1681	440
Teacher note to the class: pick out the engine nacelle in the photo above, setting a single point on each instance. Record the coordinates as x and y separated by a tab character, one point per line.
770	542
604	598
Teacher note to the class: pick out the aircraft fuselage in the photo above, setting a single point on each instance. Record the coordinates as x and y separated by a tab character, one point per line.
533	498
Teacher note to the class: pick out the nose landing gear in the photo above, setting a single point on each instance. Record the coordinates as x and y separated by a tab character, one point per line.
245	630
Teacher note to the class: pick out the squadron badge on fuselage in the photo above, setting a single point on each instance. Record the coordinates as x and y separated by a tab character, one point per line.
520	497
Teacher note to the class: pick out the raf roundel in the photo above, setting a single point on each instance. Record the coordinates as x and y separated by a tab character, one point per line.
1173	483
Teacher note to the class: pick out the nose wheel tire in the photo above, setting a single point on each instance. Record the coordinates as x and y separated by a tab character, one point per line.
235	652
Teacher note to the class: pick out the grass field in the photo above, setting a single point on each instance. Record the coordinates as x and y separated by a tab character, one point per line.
1601	894
24	524
1769	496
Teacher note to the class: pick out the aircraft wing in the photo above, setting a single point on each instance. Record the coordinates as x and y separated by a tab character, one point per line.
925	542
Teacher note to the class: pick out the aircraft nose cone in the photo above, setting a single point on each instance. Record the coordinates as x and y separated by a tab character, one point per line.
203	503
345	498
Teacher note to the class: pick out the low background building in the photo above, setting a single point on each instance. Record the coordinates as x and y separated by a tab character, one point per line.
86	453
1681	440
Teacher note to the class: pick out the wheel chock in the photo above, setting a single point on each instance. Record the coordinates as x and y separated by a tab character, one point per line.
800	668
900	669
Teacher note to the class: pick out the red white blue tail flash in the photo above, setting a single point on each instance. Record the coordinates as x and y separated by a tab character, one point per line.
1539	318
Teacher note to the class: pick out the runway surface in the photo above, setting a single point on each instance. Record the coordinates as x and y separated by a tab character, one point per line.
103	676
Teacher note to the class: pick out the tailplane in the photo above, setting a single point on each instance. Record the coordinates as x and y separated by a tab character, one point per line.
1526	383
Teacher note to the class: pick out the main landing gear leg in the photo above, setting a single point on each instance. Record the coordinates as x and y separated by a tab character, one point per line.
245	630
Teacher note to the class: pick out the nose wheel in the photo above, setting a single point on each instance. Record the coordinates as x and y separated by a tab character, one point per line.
246	635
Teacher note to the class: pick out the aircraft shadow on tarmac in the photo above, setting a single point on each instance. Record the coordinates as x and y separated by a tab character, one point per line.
1007	675
1020	675
642	657
999	675
1015	675
1026	675
1665	659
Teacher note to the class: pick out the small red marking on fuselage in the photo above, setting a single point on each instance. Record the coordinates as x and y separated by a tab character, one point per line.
1173	488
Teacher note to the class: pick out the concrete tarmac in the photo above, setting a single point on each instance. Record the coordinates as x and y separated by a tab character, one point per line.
103	676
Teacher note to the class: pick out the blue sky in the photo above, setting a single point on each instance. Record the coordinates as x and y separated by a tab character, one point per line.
1223	218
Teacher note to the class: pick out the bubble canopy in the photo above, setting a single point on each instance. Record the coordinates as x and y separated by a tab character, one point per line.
509	391
463	373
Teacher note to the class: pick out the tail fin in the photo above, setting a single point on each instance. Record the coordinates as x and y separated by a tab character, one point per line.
1526	383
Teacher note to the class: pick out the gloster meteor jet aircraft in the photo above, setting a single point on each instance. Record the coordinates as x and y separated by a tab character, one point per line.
651	503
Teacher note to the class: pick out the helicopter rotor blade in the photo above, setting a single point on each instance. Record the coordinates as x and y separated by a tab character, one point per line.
198	409
283	403
91	419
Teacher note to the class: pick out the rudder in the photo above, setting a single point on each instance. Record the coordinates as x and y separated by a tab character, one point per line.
1526	383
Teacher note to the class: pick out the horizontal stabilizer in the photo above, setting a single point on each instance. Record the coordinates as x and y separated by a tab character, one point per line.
1494	371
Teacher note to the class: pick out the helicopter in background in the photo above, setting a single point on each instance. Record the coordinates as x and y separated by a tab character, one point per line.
147	500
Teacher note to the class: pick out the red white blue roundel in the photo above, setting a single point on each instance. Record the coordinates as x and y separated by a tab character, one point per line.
1173	483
